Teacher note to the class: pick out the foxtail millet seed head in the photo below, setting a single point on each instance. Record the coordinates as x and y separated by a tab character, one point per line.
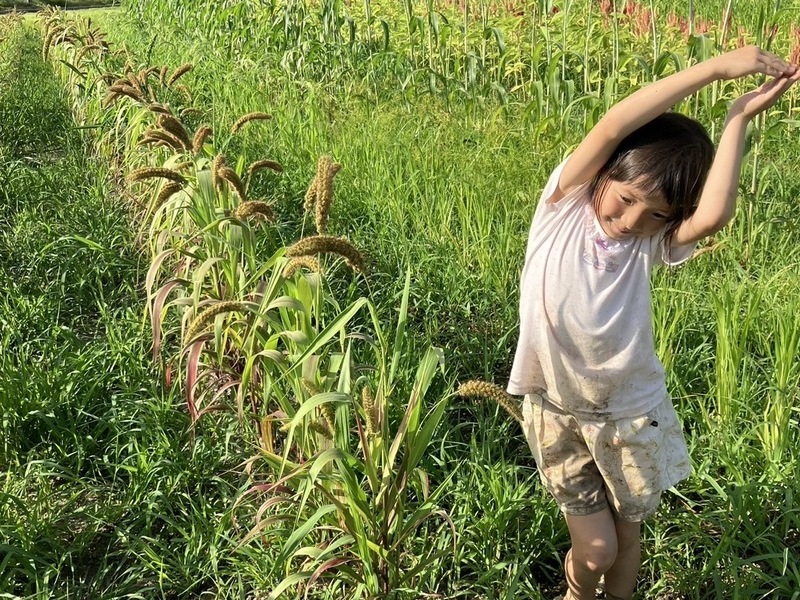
178	73
484	389
205	318
84	51
47	44
189	110
181	166
216	165
368	404
319	427
162	75
151	172
170	189
166	137
263	164
253	116
311	196
127	90
311	388
159	108
130	80
185	91
328	415
322	428
176	128
200	136
109	99
141	78
233	179
313	192
325	196
254	208
328	244
301	262
149	139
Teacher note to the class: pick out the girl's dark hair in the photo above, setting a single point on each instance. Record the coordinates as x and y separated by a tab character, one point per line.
672	155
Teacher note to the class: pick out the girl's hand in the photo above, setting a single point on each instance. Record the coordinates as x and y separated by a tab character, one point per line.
763	97
749	61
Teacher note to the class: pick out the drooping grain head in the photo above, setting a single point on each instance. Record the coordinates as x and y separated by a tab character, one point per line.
325	196
263	164
229	175
200	136
176	128
184	91
254	209
166	193
301	262
206	317
127	90
216	165
166	137
484	389
253	116
178	73
188	111
152	172
86	50
311	196
159	108
184	165
319	244
322	428
311	388
109	99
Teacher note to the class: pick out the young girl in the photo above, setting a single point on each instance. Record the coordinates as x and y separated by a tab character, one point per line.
640	190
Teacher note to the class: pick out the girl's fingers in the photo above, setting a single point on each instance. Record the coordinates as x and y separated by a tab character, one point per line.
775	65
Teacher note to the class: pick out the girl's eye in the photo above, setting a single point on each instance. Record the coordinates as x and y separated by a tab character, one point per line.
660	217
625	200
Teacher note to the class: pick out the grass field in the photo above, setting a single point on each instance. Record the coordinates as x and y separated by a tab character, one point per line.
248	457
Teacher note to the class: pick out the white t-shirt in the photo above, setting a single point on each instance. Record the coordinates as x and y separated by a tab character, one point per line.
585	324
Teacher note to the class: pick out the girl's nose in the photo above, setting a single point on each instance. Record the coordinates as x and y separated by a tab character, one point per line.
634	220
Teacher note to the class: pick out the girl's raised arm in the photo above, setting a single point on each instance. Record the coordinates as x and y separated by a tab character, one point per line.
718	200
649	102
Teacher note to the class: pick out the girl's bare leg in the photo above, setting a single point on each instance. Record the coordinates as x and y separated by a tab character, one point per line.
602	545
593	552
621	577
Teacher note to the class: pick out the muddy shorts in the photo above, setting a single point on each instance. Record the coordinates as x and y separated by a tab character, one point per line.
588	465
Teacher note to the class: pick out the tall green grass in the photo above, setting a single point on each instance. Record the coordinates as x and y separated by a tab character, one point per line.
104	494
448	187
442	169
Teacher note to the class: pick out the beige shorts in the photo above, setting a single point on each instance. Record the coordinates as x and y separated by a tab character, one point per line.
588	465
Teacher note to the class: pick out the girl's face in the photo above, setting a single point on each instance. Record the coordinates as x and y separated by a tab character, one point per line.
624	211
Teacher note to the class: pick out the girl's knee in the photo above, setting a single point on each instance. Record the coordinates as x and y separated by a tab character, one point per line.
598	556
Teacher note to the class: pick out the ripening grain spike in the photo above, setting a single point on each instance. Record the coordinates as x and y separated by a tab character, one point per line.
328	244
253	116
484	389
178	73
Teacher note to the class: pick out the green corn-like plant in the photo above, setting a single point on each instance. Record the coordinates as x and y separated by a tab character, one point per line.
356	503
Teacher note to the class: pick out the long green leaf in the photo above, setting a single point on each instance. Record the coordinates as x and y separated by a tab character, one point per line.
331	330
425	372
301	532
399	336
